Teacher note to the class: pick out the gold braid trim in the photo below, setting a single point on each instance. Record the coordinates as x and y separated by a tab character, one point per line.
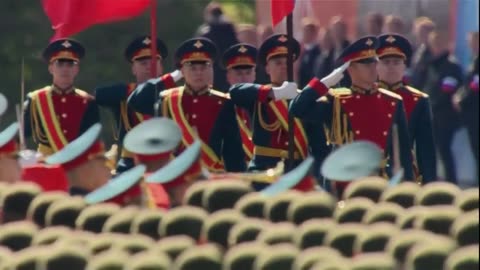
336	130
339	132
124	115
38	136
148	196
269	127
165	105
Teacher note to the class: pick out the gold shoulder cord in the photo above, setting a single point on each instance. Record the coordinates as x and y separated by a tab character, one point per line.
339	132
147	196
269	127
38	136
165	105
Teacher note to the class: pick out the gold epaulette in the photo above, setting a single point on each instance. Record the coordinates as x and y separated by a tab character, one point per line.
390	94
337	92
167	92
83	93
416	92
219	94
36	91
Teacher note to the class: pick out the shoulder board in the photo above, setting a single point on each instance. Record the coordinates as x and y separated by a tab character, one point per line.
167	92
219	94
323	99
416	92
82	93
389	94
339	91
35	92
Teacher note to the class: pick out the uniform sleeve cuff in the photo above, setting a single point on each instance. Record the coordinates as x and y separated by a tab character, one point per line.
263	93
168	81
319	88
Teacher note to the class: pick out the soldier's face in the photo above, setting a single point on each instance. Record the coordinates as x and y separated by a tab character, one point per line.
277	69
64	71
365	73
244	75
141	69
96	172
177	193
391	69
198	75
9	169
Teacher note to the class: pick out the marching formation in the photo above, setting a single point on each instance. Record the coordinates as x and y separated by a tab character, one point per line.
248	127
198	166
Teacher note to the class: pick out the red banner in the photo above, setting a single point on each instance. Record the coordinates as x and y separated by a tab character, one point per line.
280	9
69	17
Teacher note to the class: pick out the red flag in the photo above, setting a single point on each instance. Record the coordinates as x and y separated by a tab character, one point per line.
280	9
69	17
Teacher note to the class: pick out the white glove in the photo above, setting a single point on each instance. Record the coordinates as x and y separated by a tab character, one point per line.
288	90
3	104
176	75
336	75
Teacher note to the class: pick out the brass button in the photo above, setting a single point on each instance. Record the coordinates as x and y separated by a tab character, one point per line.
357	132
385	133
64	131
351	114
64	115
389	115
195	100
393	103
63	100
194	116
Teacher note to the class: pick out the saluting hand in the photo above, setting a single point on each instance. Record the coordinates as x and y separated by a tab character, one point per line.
288	90
3	104
176	75
336	76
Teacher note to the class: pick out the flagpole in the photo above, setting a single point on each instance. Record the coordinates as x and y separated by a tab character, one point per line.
20	111
153	49
291	121
153	36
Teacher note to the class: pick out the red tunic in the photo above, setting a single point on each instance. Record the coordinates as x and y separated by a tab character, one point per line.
370	115
64	115
201	110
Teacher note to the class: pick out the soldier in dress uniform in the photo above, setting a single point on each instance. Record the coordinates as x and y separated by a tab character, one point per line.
394	52
152	143
15	201
57	114
200	111
240	62
179	174
363	112
114	96
269	106
10	170
84	162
